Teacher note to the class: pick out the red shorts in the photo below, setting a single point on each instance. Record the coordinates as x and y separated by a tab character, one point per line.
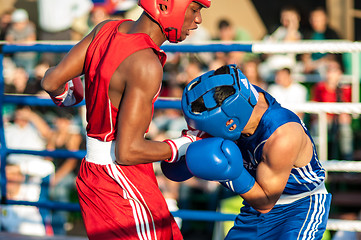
123	202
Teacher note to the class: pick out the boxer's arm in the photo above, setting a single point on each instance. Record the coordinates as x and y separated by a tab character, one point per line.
223	162
279	156
71	66
144	74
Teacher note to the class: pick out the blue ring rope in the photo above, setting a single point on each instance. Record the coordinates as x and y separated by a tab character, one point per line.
161	103
60	153
3	152
184	48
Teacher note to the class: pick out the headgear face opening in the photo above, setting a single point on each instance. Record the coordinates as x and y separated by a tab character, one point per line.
169	14
213	120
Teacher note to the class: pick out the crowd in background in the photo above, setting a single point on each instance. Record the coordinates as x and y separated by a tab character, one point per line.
49	128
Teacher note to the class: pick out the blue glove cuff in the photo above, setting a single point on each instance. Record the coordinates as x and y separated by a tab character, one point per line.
242	184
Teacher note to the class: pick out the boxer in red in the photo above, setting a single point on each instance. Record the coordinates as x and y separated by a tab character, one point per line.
123	67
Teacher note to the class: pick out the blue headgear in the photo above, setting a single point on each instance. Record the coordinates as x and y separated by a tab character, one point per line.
237	107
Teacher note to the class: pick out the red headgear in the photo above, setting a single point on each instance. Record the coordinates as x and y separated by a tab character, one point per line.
169	14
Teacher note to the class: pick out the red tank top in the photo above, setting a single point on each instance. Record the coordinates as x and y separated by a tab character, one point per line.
107	50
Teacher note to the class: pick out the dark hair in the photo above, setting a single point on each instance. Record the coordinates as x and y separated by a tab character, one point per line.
319	8
223	23
220	93
286	69
291	8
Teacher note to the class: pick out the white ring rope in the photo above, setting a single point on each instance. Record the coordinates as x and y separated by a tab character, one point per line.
317	107
344	225
341	166
306	46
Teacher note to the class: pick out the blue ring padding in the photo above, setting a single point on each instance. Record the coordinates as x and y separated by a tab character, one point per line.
239	47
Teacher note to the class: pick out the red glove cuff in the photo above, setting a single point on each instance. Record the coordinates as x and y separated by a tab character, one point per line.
58	100
174	151
72	95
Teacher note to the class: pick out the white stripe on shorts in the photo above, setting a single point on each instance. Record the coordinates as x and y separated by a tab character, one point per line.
139	208
317	208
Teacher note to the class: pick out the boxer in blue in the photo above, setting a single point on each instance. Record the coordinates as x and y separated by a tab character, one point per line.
259	150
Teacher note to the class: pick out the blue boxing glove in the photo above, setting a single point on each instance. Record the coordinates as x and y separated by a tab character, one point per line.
217	159
177	171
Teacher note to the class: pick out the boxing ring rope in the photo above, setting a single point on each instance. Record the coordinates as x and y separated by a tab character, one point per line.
257	47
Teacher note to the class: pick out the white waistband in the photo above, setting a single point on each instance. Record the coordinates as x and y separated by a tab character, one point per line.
100	152
287	199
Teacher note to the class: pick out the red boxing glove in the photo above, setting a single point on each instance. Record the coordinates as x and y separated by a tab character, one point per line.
179	145
72	95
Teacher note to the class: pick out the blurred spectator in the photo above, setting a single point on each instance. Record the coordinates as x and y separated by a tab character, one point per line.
320	30
192	69
16	81
108	5
340	132
97	15
28	131
228	32
288	31
286	91
8	72
65	135
250	70
168	123
202	35
56	18
22	31
33	85
216	63
123	6
5	22
26	173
